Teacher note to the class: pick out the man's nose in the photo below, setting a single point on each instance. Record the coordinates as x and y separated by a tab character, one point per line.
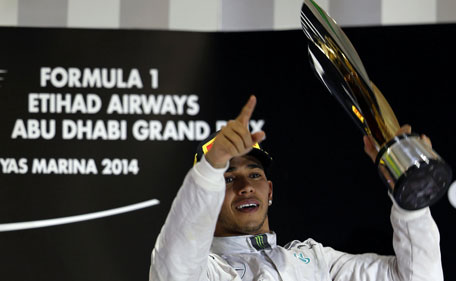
244	186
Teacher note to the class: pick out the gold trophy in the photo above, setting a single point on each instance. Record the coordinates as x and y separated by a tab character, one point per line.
414	173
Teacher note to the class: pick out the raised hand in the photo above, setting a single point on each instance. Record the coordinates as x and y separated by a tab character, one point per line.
372	152
235	138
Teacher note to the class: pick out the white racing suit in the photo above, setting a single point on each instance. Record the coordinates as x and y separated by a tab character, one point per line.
186	250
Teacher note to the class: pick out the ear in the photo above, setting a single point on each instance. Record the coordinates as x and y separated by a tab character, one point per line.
270	190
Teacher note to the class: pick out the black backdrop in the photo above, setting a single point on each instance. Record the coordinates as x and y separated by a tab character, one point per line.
324	186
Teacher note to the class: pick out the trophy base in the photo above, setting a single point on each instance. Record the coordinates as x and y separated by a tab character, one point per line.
423	186
416	176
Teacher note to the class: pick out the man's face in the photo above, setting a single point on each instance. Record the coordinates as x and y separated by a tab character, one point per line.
245	209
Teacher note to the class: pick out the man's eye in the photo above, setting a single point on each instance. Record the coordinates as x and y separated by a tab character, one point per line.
228	179
255	175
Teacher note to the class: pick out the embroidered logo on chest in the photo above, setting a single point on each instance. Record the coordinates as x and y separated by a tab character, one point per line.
301	257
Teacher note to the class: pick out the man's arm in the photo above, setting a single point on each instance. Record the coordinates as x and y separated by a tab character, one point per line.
416	243
416	247
182	247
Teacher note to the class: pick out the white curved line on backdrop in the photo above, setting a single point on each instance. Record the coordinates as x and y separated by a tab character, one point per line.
65	220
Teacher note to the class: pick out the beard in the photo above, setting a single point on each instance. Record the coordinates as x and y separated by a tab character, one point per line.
236	227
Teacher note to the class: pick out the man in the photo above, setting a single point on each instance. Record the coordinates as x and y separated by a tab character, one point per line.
218	227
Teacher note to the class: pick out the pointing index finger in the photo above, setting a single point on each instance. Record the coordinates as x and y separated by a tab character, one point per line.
247	110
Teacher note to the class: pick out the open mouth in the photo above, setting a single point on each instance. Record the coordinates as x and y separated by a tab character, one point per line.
248	207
